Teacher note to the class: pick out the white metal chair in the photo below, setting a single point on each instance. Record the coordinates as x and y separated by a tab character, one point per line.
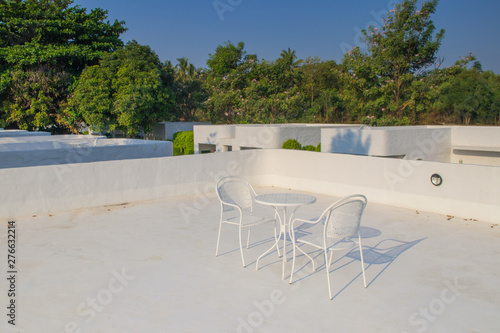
342	221
237	195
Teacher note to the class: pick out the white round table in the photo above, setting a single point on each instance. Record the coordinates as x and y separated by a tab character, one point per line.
284	200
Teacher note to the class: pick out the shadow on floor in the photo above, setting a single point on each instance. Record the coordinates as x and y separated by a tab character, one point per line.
383	254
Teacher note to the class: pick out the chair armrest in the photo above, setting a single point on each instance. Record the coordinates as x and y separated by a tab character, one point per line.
302	220
223	203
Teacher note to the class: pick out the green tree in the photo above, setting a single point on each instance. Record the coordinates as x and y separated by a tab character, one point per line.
128	91
182	69
252	91
183	143
321	89
398	54
471	97
223	82
288	58
189	92
227	57
44	46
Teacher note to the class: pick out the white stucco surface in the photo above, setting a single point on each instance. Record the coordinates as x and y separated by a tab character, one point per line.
468	191
147	268
453	144
66	149
476	136
414	142
166	130
270	136
15	133
476	145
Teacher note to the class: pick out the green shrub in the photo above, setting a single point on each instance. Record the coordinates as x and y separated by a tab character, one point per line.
183	143
309	148
318	147
291	144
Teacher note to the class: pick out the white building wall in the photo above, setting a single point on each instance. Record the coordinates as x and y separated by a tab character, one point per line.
67	149
17	133
468	191
212	135
166	130
271	136
476	145
412	142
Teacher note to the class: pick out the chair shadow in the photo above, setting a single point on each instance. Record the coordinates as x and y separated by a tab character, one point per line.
366	232
380	254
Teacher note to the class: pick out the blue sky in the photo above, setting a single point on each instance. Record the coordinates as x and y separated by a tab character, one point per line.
326	29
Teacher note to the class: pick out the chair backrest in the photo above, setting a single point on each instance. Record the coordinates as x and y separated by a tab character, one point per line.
343	218
235	191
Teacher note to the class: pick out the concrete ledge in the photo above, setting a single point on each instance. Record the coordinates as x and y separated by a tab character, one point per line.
468	191
77	149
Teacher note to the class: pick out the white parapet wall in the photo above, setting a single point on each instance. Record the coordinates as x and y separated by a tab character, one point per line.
222	138
475	145
16	133
411	142
467	191
66	149
52	188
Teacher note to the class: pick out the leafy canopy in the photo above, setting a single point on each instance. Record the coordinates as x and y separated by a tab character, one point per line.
44	46
128	90
398	54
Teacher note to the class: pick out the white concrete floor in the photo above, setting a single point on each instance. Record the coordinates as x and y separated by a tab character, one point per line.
150	267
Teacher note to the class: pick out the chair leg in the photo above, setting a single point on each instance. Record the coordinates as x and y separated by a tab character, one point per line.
241	248
362	261
327	267
293	260
275	238
248	237
218	240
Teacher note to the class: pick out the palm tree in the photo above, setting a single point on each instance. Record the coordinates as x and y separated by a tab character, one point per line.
182	68
288	57
191	72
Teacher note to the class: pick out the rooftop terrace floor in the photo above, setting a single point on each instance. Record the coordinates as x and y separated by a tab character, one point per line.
146	267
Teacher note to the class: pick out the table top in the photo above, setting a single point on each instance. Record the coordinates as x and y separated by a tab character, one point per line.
285	199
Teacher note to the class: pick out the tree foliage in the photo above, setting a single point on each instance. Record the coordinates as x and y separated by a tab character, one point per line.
44	46
183	143
51	51
253	90
128	91
398	54
189	91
